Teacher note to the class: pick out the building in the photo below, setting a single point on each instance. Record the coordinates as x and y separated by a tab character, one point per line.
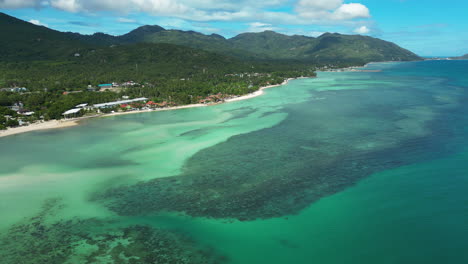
91	88
129	83
30	113
81	105
72	113
105	86
15	89
117	103
17	107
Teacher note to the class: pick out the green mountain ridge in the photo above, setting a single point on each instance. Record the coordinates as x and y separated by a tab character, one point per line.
23	41
37	57
464	57
180	67
329	48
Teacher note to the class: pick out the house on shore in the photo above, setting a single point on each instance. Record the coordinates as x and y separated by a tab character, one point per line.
17	107
116	103
14	89
72	113
105	86
113	87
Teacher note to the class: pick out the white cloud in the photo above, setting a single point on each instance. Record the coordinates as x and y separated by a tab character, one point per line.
260	27
67	5
37	22
126	20
362	30
306	12
319	4
12	4
259	24
316	33
351	11
231	5
155	7
331	10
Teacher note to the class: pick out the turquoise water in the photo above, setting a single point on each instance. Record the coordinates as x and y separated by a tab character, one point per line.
350	167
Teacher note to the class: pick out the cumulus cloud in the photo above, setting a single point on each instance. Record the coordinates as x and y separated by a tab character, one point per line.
126	20
37	22
260	27
155	7
305	11
319	4
362	30
331	10
67	5
351	11
231	5
316	33
12	4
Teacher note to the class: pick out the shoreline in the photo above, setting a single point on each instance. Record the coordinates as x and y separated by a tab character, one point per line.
43	125
55	124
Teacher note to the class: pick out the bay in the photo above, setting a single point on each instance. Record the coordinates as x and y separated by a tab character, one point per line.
349	167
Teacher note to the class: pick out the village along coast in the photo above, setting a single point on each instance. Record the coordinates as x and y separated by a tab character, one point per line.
147	107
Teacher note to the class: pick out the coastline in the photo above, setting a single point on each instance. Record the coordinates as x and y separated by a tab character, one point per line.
44	125
55	124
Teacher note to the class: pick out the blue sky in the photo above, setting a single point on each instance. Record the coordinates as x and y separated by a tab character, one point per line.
429	27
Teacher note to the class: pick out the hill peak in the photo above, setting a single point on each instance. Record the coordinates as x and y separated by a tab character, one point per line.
147	29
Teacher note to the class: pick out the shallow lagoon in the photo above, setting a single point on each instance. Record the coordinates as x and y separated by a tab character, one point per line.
350	167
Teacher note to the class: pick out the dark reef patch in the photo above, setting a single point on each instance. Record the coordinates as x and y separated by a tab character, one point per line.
39	240
240	113
199	132
320	149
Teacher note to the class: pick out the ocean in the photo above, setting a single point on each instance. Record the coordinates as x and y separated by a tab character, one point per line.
350	167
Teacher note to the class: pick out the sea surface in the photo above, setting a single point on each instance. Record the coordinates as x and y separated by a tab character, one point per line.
349	167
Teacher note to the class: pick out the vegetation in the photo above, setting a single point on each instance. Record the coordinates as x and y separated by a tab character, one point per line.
464	57
5	118
269	45
172	66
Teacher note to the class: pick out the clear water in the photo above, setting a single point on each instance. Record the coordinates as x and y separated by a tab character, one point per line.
350	167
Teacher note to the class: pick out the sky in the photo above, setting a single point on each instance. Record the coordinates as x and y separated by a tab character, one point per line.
426	27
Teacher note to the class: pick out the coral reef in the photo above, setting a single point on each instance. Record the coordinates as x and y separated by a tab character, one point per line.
96	241
279	171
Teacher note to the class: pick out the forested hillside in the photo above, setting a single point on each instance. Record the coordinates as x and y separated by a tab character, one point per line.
62	69
464	57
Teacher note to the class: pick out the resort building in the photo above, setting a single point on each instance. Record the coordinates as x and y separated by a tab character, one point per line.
72	113
81	105
14	90
105	86
116	103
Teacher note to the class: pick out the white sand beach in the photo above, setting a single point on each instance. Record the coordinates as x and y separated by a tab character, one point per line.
53	124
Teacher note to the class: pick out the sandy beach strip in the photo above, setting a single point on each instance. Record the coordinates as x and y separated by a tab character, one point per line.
153	110
52	124
257	93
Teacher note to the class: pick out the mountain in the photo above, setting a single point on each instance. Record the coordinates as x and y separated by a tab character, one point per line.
464	57
273	45
342	48
38	57
175	66
37	42
328	48
20	40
